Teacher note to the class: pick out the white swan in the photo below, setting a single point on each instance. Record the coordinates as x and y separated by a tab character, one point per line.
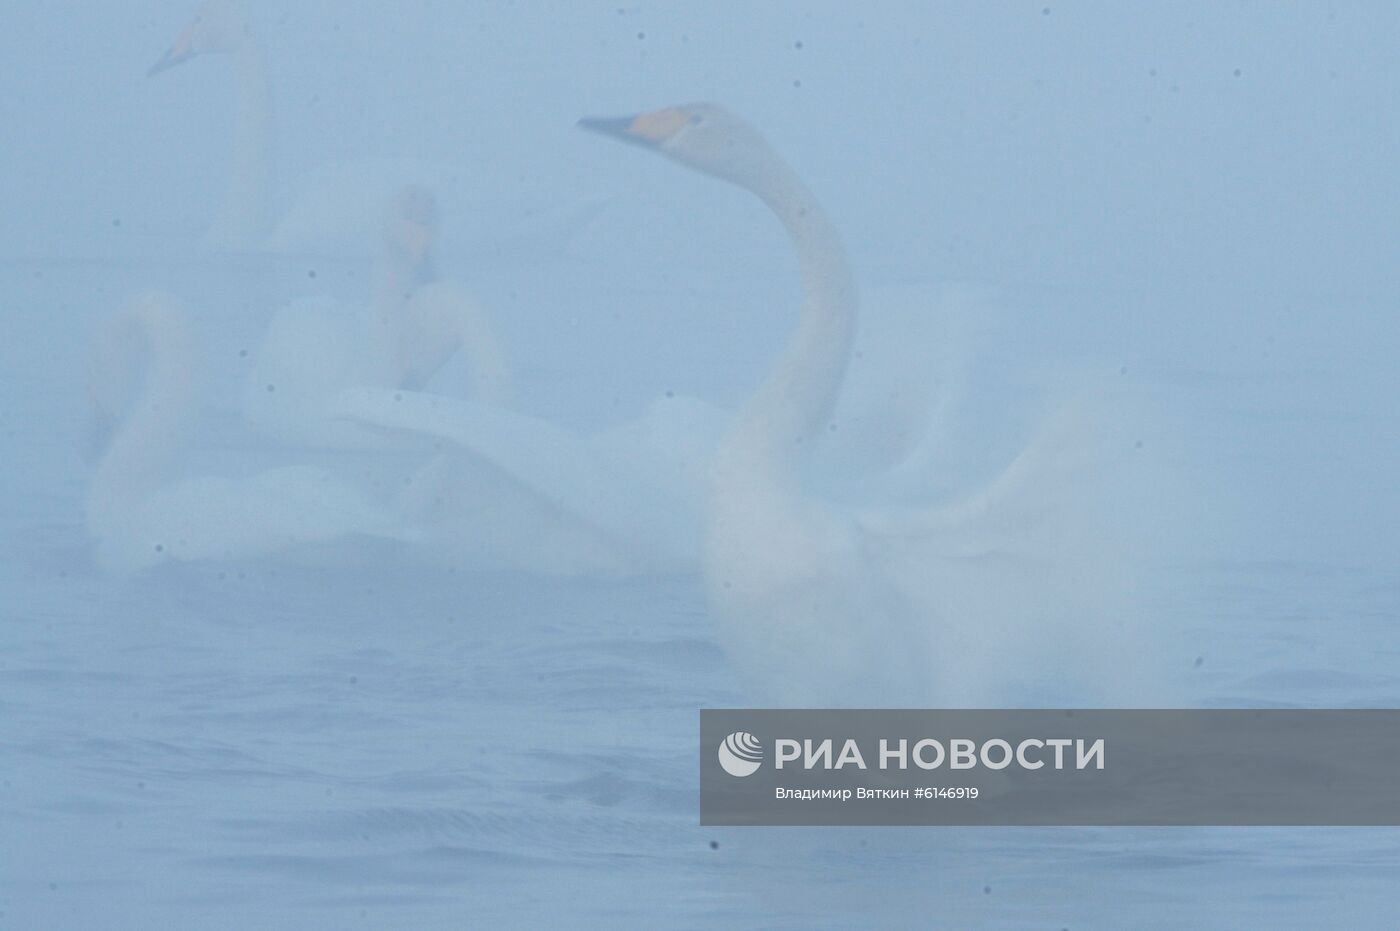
821	604
337	210
316	348
139	513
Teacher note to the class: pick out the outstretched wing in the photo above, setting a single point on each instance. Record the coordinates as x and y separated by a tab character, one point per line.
611	486
1034	565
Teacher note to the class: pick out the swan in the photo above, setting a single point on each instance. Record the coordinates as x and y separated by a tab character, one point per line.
337	210
316	348
822	604
140	514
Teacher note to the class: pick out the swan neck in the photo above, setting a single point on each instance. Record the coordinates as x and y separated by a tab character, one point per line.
145	448
246	214
396	280
792	406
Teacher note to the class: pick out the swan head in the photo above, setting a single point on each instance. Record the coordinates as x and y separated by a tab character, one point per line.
702	136
219	26
411	225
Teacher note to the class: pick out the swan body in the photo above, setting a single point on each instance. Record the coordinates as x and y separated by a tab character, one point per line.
140	512
824	604
315	348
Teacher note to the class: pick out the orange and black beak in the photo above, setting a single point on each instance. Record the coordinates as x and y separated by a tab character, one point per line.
181	51
645	129
617	127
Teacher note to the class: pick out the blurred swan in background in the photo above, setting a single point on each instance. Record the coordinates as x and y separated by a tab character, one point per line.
823	604
337	211
315	348
142	386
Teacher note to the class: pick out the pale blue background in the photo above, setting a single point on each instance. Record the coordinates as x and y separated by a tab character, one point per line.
1201	193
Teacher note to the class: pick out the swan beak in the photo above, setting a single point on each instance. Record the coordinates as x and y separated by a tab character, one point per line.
181	51
616	127
644	129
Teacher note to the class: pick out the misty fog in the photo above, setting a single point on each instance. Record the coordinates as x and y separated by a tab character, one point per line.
395	463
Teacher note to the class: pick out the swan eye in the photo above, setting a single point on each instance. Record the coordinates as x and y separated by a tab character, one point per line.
696	119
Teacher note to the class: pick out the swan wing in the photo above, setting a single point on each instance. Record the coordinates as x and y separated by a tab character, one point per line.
604	484
217	518
1032	551
1031	571
314	505
904	377
1050	486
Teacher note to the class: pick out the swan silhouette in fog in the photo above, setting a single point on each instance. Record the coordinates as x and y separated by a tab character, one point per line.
818	603
316	348
142	386
338	209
